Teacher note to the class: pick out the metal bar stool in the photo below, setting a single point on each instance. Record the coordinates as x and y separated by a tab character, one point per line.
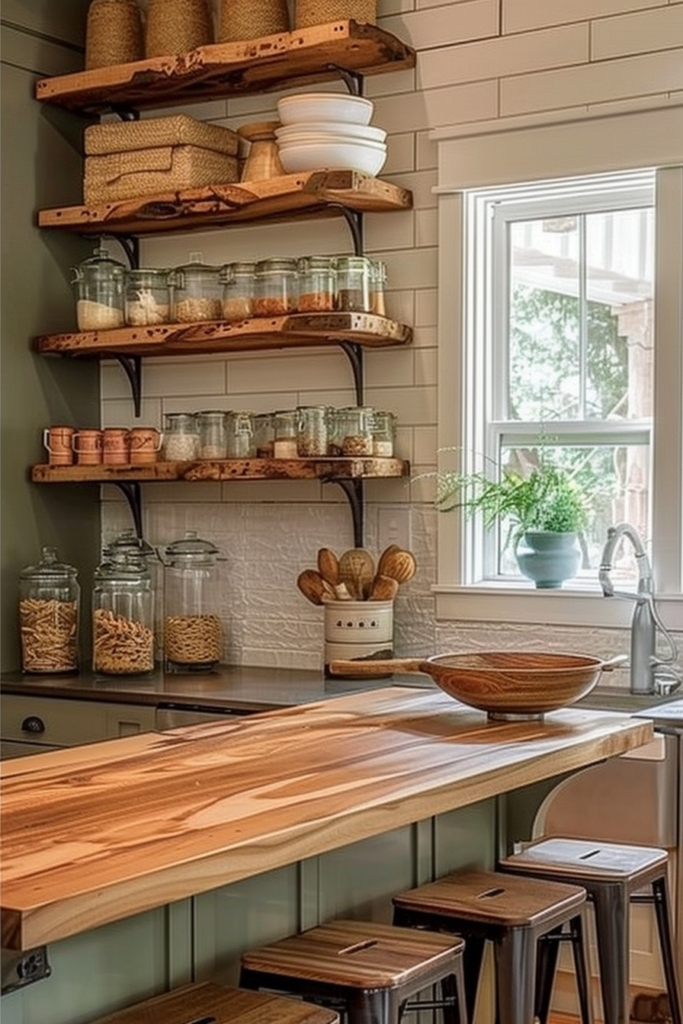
612	874
366	970
205	1003
524	921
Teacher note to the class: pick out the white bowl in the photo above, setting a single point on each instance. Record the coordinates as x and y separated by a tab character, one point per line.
316	156
329	140
343	131
324	106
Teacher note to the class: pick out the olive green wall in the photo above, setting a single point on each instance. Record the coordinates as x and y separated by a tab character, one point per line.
40	166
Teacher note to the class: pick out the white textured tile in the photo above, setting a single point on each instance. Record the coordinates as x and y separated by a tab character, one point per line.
389	367
389	231
434	26
427	152
416	269
119	412
426	308
644	31
436	108
400	154
526	15
426	228
610	80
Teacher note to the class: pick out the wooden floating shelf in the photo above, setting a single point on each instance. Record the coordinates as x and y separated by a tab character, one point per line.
279	61
295	331
226	469
313	193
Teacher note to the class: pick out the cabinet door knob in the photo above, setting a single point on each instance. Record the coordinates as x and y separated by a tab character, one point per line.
33	724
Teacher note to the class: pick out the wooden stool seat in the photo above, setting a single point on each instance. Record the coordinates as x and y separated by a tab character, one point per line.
369	969
612	874
515	916
208	1002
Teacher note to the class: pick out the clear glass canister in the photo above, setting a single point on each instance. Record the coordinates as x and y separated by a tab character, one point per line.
148	297
311	439
383	433
264	435
378	276
99	283
355	431
285	426
49	597
317	284
213	437
353	283
276	287
197	291
193	635
241	442
238	290
123	616
181	437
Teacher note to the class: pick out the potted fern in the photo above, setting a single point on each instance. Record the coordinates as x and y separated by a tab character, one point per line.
544	512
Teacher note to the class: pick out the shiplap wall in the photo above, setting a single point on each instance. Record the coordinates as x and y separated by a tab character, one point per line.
479	61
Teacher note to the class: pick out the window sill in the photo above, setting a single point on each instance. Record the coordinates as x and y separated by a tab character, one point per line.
501	602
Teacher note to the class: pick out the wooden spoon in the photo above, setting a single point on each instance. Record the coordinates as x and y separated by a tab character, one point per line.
328	566
311	585
400	565
357	571
384	588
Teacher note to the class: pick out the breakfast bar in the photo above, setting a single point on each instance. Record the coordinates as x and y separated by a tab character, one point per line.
101	832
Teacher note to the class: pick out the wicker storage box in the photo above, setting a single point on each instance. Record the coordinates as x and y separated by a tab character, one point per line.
151	132
138	158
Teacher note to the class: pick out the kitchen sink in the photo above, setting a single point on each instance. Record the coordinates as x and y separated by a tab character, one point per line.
619	699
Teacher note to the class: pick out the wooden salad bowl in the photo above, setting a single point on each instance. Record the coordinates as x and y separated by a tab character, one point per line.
505	684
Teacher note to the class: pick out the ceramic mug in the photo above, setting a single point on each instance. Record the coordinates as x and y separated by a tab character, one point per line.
115	449
145	445
58	441
88	447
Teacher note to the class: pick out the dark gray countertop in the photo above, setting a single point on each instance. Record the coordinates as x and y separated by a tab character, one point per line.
240	687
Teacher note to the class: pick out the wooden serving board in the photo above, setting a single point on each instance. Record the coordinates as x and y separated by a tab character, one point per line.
97	833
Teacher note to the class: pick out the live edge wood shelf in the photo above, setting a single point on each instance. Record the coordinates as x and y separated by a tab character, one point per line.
288	59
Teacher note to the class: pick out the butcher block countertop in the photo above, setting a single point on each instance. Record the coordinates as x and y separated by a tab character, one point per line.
96	833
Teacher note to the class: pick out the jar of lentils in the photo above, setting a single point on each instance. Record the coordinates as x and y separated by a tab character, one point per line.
276	287
238	290
197	291
317	284
355	431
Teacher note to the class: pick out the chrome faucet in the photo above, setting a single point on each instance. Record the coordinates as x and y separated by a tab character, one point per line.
649	673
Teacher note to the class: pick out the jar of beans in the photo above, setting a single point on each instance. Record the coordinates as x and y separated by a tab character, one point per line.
317	284
353	283
276	287
49	597
238	290
355	431
197	291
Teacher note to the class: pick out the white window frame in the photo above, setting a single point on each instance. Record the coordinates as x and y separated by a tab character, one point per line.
461	167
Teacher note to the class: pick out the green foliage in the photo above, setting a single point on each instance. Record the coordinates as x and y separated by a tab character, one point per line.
545	499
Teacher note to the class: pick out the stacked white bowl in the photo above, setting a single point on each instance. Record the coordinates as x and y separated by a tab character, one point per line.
329	131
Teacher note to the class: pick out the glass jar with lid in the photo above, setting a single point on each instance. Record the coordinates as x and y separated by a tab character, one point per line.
240	435
213	437
99	283
311	439
353	284
317	284
238	290
148	297
181	437
123	615
49	597
193	633
264	435
285	425
197	291
355	431
378	276
383	433
276	286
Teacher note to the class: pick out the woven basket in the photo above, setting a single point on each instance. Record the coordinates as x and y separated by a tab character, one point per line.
149	171
113	33
251	19
176	26
152	132
319	12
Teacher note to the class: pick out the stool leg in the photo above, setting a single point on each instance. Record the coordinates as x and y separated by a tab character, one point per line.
473	955
581	969
547	952
515	952
371	1007
661	901
453	990
611	920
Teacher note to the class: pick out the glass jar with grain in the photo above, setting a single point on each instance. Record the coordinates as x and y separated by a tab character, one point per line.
311	440
213	434
317	284
238	290
197	291
99	283
181	437
353	284
148	297
49	597
193	634
276	286
354	431
123	615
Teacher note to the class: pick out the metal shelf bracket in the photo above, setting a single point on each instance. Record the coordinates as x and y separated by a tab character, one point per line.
132	493
354	354
354	490
132	367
